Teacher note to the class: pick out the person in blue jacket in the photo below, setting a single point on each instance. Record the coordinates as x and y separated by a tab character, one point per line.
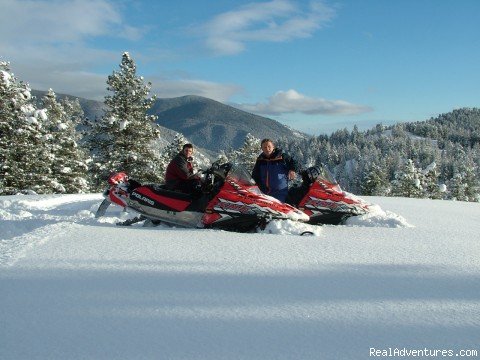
273	170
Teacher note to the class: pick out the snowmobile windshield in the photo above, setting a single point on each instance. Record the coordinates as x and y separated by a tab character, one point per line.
241	175
327	175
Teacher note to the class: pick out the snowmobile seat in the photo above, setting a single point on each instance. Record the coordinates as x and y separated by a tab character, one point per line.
152	196
163	191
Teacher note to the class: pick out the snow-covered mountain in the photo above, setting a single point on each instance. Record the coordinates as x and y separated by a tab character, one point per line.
404	278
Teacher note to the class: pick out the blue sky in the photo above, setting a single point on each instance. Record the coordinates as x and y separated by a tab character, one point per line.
316	66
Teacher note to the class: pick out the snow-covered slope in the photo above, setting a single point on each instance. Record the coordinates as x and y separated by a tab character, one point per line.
73	287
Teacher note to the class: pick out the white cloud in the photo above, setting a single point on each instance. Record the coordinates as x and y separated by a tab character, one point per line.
273	21
48	43
60	21
285	102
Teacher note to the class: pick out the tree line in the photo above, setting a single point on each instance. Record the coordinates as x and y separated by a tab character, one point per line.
438	158
48	146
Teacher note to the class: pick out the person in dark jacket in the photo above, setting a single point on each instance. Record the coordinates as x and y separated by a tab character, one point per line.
273	170
179	175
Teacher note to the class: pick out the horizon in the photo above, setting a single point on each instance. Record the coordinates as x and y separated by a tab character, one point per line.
349	127
315	66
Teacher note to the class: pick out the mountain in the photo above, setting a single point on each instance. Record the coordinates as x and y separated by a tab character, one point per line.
207	123
216	126
92	108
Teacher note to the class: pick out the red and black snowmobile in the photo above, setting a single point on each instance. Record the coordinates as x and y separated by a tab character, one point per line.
227	198
321	198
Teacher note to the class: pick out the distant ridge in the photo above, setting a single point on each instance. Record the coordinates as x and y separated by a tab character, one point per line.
91	108
213	125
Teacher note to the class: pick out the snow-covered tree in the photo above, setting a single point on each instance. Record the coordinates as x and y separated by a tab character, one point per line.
457	187
375	181
248	153
69	166
24	156
222	158
123	138
431	187
473	185
407	181
464	186
172	149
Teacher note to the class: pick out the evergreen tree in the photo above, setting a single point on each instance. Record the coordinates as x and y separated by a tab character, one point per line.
123	138
222	157
24	156
430	184
69	165
464	186
248	153
375	182
407	182
457	187
472	191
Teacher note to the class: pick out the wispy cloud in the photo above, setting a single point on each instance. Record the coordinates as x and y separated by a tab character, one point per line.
273	21
284	102
49	42
60	21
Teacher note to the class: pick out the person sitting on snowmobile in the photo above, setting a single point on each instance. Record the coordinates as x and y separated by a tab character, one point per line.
273	169
179	175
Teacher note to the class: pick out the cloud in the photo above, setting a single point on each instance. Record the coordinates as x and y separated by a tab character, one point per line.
273	21
61	21
49	43
285	102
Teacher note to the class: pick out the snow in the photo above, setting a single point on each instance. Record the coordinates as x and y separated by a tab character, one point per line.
123	124
32	120
6	78
41	114
62	126
75	287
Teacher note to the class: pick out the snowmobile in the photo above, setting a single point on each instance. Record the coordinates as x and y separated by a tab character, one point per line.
321	198
226	198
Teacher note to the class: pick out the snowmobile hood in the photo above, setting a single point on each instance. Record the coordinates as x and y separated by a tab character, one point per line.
289	211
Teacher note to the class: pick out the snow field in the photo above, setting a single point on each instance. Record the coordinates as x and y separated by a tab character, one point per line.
77	287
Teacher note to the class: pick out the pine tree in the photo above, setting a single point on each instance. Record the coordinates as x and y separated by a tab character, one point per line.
222	158
248	153
472	191
407	182
430	184
69	166
375	182
24	156
123	138
464	186
457	187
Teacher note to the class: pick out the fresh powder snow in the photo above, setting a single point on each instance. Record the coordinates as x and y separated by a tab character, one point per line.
405	277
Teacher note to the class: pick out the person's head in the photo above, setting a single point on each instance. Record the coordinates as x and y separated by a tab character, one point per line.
267	147
187	150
